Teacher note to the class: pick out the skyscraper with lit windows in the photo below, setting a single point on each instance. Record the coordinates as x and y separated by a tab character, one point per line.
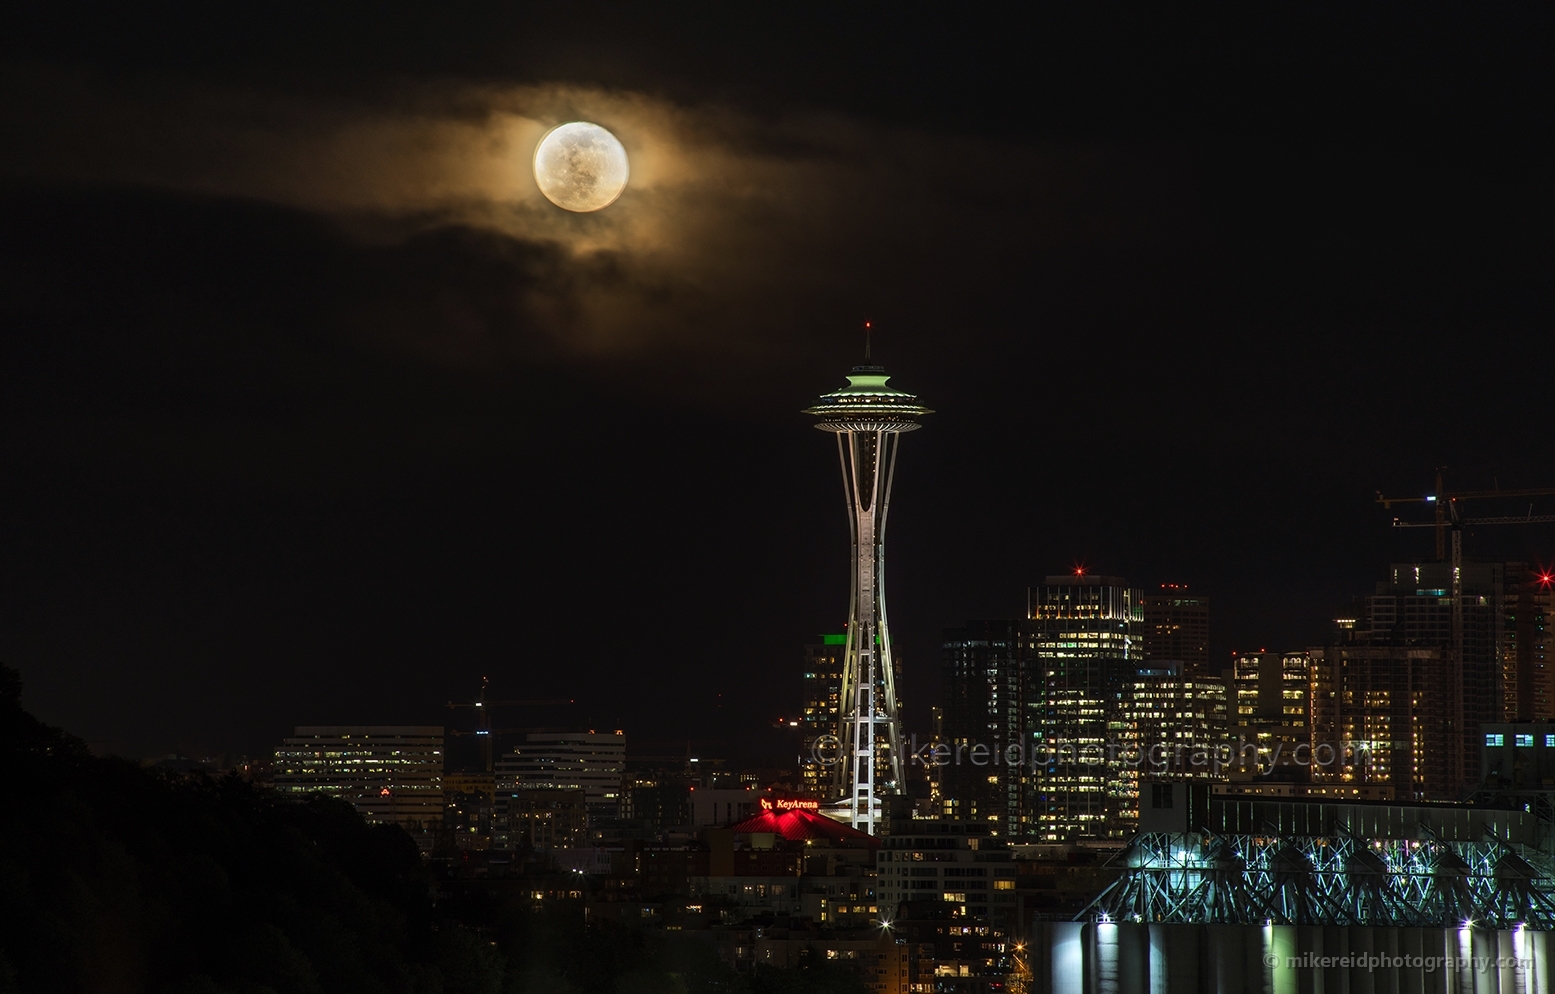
1177	627
1174	719
1271	704
820	711
1383	715
1085	638
986	680
1528	652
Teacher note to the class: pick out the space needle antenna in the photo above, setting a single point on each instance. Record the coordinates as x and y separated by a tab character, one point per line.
868	417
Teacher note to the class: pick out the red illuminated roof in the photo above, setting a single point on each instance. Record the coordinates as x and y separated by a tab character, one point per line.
797	825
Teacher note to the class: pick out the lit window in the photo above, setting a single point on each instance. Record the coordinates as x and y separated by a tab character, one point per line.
1524	741
1495	739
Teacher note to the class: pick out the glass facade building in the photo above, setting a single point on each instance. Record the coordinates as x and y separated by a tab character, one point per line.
820	714
1085	640
986	681
1174	721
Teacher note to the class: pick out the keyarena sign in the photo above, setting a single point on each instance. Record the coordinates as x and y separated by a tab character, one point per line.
789	804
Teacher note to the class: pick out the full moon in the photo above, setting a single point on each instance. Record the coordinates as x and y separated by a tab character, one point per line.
580	167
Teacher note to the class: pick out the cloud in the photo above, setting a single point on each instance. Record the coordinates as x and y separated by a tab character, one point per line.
736	233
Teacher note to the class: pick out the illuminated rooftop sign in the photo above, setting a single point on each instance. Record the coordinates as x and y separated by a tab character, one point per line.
789	804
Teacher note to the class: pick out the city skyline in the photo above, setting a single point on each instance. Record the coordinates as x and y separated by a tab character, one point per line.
294	441
419	513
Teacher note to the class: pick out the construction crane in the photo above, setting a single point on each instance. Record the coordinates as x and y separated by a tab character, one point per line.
1448	519
1446	508
483	728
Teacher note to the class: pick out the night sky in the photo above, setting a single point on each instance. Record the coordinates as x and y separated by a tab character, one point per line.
316	412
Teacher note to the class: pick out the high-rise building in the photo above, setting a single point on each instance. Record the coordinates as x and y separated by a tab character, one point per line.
1270	704
1174	720
820	714
1084	635
868	418
1528	657
984	698
593	762
1382	714
1466	615
1177	627
391	773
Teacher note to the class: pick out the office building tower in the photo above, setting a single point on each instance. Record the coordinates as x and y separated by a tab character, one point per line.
982	717
868	417
541	818
393	774
1467	616
1271	706
593	762
820	714
1528	664
1174	721
1382	714
1084	635
1177	627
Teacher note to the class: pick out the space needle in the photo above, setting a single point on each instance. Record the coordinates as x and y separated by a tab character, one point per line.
868	418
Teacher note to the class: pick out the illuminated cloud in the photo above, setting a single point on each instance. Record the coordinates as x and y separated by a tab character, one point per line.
736	233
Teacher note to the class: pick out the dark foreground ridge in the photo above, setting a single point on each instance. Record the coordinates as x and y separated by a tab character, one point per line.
117	879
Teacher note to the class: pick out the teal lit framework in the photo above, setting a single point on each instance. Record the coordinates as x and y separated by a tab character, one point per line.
1307	862
1208	878
868	417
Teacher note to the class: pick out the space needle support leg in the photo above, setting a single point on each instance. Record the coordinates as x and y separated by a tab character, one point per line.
842	774
888	664
862	752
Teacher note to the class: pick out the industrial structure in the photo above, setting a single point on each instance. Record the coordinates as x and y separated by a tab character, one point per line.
868	418
1220	894
1208	860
